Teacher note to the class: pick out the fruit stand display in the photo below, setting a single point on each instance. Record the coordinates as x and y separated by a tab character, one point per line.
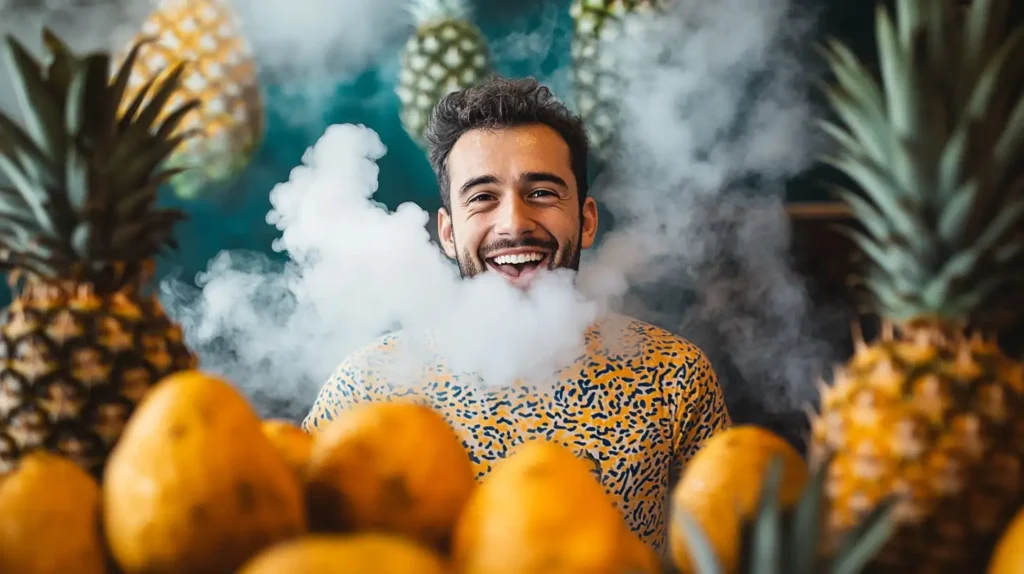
120	456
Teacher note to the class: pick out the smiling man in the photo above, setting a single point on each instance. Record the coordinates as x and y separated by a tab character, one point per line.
511	165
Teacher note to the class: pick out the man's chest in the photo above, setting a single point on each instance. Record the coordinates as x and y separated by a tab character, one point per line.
623	432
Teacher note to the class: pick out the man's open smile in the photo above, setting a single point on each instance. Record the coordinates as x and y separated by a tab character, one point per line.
519	265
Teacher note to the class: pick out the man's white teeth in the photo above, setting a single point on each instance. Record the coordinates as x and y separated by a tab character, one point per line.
518	258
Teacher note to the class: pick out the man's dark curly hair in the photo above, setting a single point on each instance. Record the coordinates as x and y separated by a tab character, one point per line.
499	103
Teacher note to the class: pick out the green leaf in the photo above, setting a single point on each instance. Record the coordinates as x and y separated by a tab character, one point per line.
864	213
886	259
894	72
120	83
135	170
1008	152
13	209
62	63
128	116
703	553
30	192
849	144
77	181
991	78
886	194
952	161
83	240
126	233
874	136
766	542
870	536
43	119
855	79
95	122
910	169
910	19
74	105
807	524
138	201
957	212
1007	220
984	18
17	138
156	104
174	118
886	296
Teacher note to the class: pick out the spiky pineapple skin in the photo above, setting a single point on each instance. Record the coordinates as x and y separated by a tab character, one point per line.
935	419
221	75
594	78
441	57
75	365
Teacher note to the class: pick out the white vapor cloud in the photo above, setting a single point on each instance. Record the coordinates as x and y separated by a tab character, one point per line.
716	116
356	271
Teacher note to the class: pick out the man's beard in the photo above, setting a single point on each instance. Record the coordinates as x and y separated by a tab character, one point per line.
566	256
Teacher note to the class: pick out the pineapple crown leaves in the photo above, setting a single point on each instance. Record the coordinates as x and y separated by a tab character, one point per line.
787	541
84	176
426	12
936	145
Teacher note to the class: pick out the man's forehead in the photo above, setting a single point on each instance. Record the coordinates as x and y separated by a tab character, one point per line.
508	151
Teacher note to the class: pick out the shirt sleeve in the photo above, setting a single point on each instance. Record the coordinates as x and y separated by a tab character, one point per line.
346	387
701	411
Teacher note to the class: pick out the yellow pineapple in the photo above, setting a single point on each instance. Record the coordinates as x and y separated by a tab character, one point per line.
82	341
446	53
593	74
220	73
932	412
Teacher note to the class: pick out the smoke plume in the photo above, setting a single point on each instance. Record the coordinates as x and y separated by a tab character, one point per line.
716	114
354	272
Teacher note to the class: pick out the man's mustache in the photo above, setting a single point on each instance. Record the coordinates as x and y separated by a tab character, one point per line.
547	245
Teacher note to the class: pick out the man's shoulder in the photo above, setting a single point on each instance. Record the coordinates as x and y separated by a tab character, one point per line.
393	355
381	351
654	343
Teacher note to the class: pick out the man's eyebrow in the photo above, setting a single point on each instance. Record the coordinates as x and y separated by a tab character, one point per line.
527	177
478	180
541	177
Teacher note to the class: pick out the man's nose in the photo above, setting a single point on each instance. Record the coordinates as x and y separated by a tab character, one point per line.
514	218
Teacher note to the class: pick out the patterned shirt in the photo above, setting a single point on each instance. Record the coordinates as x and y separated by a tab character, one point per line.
637	407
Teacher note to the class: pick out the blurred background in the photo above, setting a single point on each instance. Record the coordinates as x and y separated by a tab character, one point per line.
527	37
296	67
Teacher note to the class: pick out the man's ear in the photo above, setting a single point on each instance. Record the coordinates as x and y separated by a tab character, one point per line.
589	223
444	232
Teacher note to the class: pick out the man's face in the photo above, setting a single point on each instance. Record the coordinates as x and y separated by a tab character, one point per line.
515	207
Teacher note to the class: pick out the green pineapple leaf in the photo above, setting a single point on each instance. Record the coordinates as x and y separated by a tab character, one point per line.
703	553
806	536
62	63
43	119
861	545
766	539
82	200
173	119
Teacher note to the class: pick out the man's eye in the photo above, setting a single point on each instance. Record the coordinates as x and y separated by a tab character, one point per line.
543	193
480	197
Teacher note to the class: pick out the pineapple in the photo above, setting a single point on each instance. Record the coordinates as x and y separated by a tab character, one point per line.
593	74
780	540
81	341
446	53
221	74
932	411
